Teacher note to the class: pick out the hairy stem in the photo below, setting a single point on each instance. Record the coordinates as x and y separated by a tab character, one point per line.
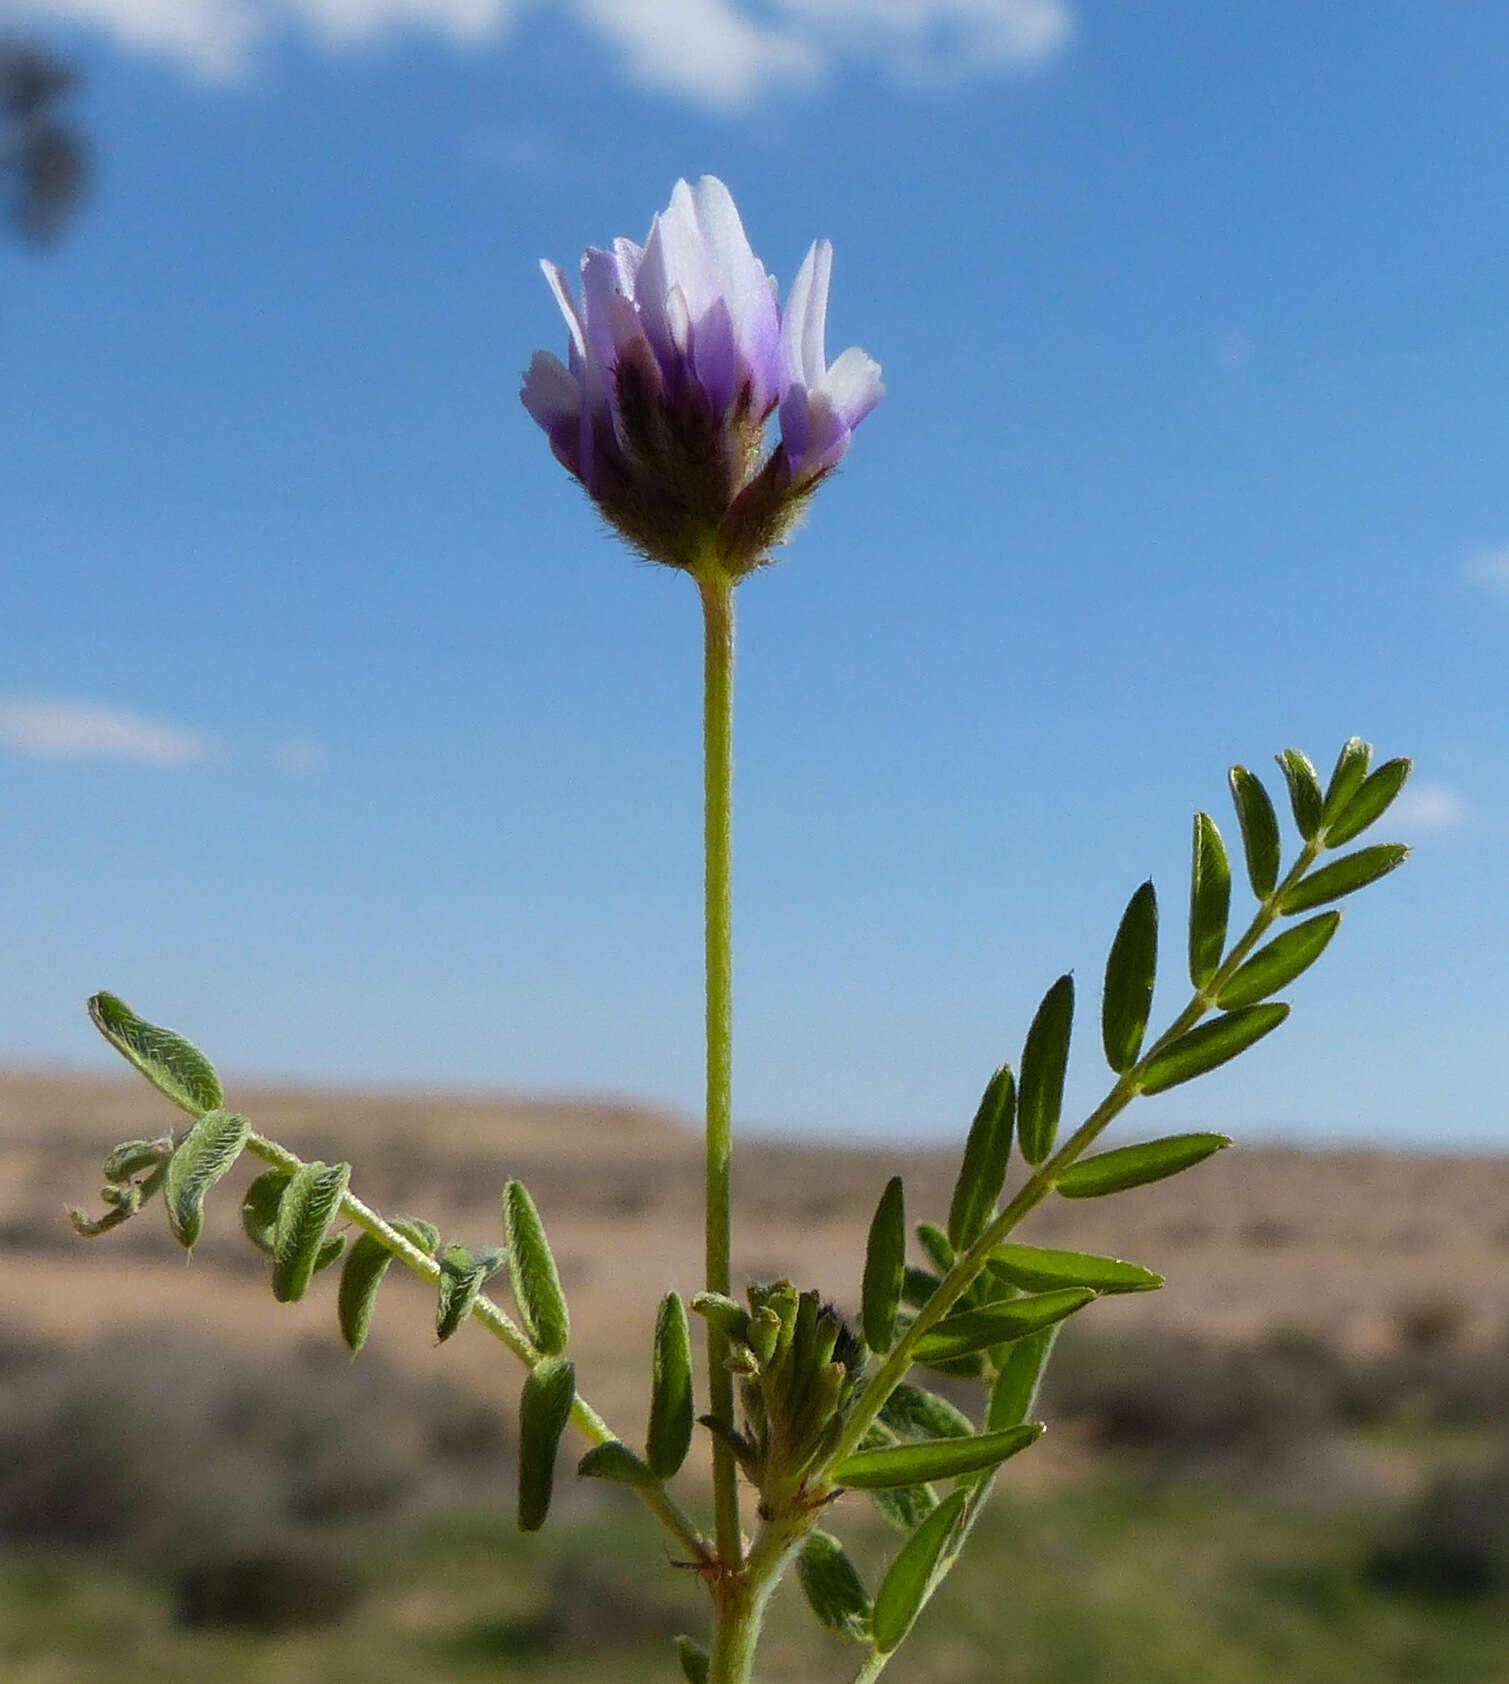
583	1416
717	742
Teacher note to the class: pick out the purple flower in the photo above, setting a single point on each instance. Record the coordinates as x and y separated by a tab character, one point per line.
678	357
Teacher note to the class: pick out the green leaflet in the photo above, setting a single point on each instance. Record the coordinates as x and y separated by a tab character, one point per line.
1130	970
1209	1045
1344	876
173	1066
885	1268
536	1285
137	1157
309	1204
462	1274
1260	838
1371	801
206	1153
1305	799
1275	966
693	1659
544	1410
905	1507
1209	900
364	1272
1013	1397
909	1579
1045	1057
833	1588
1135	1166
259	1217
1035	1269
982	1173
969	1331
357	1298
912	1413
1346	778
939	1249
935	1458
917	1286
670	1432
615	1461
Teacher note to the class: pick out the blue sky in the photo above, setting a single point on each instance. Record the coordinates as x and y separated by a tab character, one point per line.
336	733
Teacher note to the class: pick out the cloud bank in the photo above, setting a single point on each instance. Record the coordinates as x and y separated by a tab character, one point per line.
40	728
721	54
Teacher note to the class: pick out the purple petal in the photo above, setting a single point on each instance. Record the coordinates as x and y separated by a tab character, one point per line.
553	397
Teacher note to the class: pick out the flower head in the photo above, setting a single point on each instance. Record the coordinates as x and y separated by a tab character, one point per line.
678	357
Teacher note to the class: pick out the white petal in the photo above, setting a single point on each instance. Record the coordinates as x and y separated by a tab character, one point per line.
556	277
853	385
741	279
806	317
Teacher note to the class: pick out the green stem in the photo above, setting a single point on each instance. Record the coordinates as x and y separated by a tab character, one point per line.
740	1599
717	742
583	1416
1032	1192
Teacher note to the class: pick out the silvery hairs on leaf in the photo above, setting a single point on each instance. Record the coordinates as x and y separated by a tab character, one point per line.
679	355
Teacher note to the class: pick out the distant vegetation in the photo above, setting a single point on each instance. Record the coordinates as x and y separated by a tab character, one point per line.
43	162
1215	1517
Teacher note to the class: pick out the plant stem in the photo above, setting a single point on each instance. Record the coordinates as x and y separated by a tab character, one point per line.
717	743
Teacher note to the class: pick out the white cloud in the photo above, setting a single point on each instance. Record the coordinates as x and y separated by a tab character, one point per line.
722	54
1430	809
1490	568
216	39
44	729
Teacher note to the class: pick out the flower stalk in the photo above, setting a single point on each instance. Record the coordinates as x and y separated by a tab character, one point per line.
717	592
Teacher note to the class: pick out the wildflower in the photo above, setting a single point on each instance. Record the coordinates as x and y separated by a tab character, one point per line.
679	356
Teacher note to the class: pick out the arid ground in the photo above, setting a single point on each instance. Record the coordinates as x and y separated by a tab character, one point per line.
1370	1247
